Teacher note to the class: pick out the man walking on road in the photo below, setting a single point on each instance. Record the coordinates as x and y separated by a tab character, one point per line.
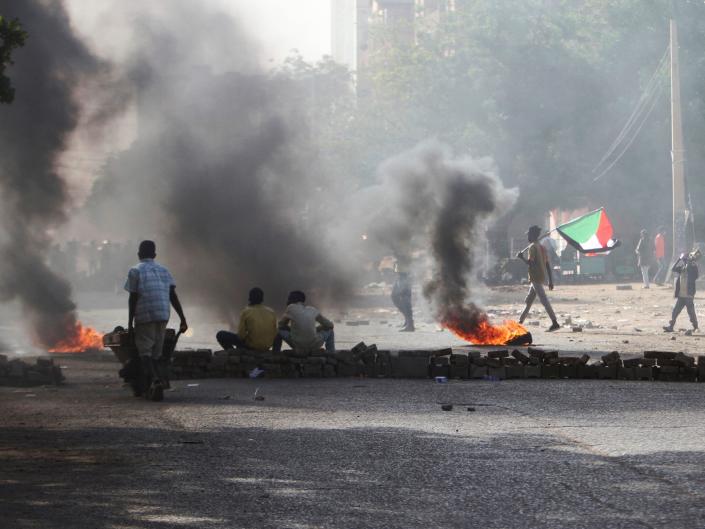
151	289
686	271
539	272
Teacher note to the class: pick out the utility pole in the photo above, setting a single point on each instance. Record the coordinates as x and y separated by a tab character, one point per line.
681	215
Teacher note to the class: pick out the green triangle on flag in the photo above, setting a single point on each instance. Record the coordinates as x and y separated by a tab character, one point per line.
591	233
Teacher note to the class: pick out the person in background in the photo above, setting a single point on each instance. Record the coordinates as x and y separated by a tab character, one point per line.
645	256
152	289
539	273
297	327
686	270
257	328
660	254
401	295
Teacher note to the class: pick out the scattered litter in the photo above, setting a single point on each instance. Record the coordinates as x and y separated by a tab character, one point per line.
673	338
577	329
447	407
637	329
470	408
625	341
257	396
225	397
256	372
192	385
624	287
689	332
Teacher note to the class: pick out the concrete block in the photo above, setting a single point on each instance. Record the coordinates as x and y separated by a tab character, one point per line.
660	355
515	372
568	371
644	373
550	372
701	369
503	353
521	357
688	374
626	373
668	373
440	371
532	371
587	371
459	371
409	364
477	371
346	370
329	371
497	372
312	370
606	372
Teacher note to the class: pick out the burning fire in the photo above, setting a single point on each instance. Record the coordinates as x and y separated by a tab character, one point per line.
510	332
81	339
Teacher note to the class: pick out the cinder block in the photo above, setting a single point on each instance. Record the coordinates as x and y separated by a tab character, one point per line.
497	372
701	369
477	371
568	371
668	373
347	370
587	371
515	372
503	353
550	372
688	374
644	373
626	373
521	357
532	371
440	371
660	355
410	364
606	372
459	371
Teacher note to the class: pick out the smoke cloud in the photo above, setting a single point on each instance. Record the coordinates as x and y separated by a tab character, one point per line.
435	201
34	130
223	172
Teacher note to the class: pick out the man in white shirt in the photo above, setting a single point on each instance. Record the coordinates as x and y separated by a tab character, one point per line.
298	327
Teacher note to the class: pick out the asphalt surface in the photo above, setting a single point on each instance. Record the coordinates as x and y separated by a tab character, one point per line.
351	453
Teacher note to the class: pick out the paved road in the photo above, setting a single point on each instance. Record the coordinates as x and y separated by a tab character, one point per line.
352	453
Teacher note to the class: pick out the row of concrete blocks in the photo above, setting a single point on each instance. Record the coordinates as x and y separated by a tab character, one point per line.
22	373
370	362
665	373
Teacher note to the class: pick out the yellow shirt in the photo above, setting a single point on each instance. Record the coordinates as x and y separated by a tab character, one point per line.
537	263
258	327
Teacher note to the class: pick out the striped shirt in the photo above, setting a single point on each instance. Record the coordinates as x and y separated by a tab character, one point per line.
152	282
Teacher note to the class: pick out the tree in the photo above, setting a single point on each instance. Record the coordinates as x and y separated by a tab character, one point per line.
12	36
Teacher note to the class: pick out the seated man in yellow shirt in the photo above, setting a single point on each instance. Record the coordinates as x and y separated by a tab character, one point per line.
257	328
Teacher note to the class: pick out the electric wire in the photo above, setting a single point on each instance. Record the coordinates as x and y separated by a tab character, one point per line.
637	119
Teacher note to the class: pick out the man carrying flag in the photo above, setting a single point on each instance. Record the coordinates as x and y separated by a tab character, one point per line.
539	272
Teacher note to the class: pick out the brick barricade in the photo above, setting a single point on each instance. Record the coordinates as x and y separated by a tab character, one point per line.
368	361
23	373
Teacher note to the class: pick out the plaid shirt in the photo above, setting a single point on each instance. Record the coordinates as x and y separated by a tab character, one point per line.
152	282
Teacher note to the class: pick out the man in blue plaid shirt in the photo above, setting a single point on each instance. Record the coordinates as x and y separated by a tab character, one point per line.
151	289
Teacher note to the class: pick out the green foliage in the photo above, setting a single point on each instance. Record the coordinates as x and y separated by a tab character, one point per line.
12	36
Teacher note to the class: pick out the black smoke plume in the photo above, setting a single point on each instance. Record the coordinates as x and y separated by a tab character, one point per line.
440	203
33	130
223	171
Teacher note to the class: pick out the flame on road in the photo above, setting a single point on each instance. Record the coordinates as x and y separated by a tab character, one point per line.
81	339
487	334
